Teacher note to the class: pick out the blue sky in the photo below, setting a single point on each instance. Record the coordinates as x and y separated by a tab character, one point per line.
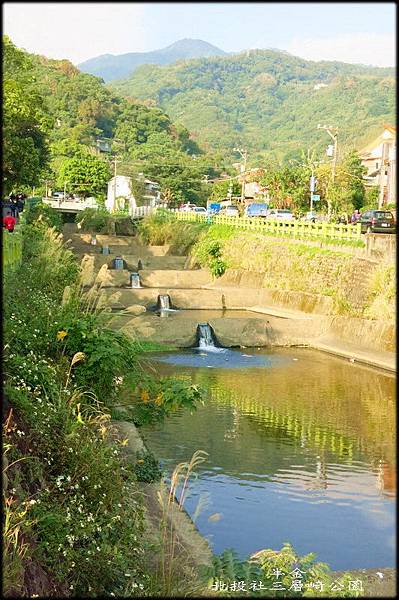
352	32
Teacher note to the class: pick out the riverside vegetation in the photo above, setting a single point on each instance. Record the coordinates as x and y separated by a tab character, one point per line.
73	513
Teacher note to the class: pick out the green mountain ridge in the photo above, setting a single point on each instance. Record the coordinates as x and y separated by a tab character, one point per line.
111	67
268	101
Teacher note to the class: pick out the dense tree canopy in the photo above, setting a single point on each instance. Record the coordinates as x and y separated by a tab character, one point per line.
268	101
84	174
25	151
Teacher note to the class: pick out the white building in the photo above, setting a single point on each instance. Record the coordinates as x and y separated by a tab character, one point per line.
379	158
119	195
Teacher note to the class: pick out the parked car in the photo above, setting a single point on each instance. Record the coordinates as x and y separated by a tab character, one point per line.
280	214
230	211
58	195
200	209
257	209
311	216
214	208
188	207
377	221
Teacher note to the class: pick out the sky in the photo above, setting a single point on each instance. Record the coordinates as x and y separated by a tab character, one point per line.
350	32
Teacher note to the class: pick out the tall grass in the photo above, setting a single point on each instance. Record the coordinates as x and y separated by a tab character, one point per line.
171	566
161	228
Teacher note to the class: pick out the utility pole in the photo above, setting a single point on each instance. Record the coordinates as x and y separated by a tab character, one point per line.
115	162
312	188
382	174
244	156
333	133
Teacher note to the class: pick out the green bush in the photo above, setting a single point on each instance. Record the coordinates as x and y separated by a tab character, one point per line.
161	228
92	219
87	527
297	576
209	248
45	213
109	354
147	467
149	400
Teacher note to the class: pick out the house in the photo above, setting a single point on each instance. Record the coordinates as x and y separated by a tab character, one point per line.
121	197
253	190
103	145
152	194
379	158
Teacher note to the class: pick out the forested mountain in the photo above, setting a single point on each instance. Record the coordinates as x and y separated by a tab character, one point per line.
55	116
111	67
268	101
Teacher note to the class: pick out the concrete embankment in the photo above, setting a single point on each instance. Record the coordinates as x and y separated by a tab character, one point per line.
284	317
193	550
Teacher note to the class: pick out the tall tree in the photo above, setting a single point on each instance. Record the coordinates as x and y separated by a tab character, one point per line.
25	151
85	174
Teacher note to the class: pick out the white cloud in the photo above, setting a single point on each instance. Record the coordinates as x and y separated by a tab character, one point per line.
363	48
75	30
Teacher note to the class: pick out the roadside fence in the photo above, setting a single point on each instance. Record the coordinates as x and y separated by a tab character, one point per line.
295	229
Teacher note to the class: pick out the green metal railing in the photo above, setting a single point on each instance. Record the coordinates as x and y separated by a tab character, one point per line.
295	229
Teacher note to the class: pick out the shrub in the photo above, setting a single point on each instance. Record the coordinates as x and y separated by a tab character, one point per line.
92	219
161	227
75	521
209	248
149	400
147	467
296	575
45	213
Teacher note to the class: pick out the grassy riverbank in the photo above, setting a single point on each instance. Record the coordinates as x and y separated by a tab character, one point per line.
74	517
359	288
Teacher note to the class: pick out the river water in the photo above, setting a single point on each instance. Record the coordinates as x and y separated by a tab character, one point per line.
301	448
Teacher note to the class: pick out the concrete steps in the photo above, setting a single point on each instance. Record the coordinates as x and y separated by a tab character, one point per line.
174	278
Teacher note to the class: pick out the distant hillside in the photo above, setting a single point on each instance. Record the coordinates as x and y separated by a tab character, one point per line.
111	67
78	111
268	101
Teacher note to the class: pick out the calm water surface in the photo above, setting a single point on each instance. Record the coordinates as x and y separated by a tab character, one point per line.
301	448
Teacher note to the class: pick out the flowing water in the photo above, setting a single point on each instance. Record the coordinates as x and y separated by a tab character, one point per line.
301	448
164	301
118	263
135	280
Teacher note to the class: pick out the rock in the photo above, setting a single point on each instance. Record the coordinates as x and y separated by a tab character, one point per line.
136	309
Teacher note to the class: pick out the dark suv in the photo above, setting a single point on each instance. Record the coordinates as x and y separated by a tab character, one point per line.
377	221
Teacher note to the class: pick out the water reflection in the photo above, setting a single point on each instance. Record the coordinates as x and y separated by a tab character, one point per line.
299	450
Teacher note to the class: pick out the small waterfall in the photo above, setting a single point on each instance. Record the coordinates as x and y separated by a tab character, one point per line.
206	338
164	305
105	250
135	280
164	302
118	263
